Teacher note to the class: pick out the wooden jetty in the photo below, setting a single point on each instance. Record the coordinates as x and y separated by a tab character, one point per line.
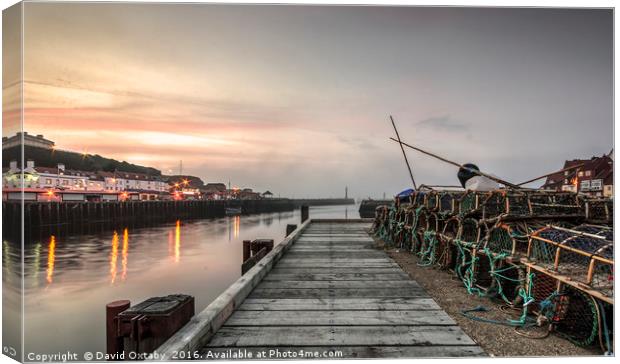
325	288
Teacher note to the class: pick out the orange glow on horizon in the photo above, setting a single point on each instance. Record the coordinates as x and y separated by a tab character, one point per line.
51	257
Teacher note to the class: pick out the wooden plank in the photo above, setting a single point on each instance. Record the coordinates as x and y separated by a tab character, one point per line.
341	292
377	277
304	265
396	285
341	352
336	255
339	335
369	304
288	259
336	270
354	264
340	318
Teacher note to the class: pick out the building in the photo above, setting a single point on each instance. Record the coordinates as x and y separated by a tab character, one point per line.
45	178
267	194
148	187
60	179
34	141
593	177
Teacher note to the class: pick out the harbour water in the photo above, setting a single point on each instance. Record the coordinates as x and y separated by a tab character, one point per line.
68	280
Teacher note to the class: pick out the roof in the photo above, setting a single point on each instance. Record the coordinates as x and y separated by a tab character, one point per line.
601	168
267	193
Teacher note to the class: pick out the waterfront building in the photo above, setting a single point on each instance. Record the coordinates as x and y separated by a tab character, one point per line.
594	177
45	177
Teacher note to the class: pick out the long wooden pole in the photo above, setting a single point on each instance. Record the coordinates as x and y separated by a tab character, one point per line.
498	180
552	173
404	154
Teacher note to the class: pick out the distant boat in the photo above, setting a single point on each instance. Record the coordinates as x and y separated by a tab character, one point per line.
233	211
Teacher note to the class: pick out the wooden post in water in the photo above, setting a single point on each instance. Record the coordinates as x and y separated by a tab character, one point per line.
246	249
114	343
290	228
305	212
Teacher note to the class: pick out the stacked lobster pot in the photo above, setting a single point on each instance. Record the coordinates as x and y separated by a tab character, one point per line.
549	254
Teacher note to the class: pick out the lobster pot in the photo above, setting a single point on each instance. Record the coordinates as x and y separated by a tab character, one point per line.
421	223
432	201
509	280
470	233
481	270
470	202
583	259
541	287
448	202
554	203
463	259
418	198
447	248
407	240
494	205
509	239
577	317
433	222
599	211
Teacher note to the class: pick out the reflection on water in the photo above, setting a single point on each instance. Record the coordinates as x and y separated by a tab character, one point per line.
234	226
125	253
83	273
177	242
50	259
113	257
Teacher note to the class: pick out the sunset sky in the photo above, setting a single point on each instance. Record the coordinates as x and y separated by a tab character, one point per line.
296	99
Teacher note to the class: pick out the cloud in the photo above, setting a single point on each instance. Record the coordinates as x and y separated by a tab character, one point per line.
444	123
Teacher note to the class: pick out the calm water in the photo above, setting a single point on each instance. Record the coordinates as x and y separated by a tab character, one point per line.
69	280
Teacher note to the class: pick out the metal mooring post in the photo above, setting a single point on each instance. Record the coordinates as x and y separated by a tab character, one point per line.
305	212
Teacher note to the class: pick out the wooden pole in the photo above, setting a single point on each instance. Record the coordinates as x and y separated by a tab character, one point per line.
305	213
114	344
552	173
404	154
498	180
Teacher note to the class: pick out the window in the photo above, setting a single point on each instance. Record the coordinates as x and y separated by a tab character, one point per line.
65	182
588	173
585	185
48	181
580	173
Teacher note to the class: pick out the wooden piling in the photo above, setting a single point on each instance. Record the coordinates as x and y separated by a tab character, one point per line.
114	343
290	228
305	213
246	249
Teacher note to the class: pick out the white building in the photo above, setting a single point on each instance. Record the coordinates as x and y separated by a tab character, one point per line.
126	181
60	178
45	178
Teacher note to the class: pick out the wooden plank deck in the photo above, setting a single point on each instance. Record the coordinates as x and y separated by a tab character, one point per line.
332	290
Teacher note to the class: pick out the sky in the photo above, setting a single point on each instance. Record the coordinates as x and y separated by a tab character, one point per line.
296	99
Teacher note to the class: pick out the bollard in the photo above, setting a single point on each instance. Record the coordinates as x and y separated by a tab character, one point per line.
290	228
246	249
304	213
114	343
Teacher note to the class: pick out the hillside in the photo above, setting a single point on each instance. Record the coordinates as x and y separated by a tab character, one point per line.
50	158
